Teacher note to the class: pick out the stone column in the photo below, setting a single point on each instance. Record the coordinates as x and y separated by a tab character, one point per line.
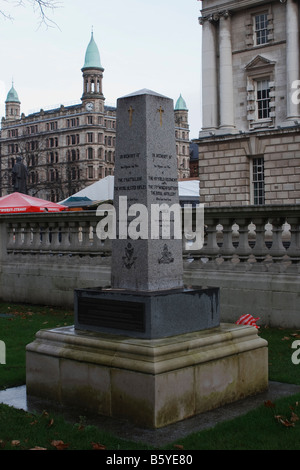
144	256
226	76
292	55
209	75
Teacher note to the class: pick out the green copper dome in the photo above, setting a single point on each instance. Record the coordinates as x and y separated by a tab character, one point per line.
12	96
181	104
92	56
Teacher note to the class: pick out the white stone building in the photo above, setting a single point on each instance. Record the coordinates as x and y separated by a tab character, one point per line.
249	145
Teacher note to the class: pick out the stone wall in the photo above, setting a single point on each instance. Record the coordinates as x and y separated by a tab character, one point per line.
252	254
225	167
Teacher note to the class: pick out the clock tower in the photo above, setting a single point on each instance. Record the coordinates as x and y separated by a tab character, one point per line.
92	98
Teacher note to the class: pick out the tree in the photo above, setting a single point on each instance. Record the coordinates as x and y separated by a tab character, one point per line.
41	7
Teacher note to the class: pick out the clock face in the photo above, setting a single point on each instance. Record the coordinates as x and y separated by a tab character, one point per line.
89	106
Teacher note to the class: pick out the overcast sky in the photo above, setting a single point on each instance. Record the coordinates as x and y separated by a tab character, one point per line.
153	44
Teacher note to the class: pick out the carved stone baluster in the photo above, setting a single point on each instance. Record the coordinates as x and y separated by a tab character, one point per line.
243	250
211	248
87	241
260	250
277	250
5	235
64	235
11	237
36	237
54	236
46	237
293	250
97	243
27	236
227	250
19	236
75	233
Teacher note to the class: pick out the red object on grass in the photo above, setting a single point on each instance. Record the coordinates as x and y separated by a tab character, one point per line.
18	203
247	320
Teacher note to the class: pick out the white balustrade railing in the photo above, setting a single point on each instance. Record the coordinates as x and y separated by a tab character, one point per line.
266	234
71	233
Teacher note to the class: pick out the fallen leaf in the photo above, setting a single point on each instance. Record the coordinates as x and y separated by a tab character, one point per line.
98	446
15	443
33	422
51	422
59	445
178	446
285	422
285	338
294	417
269	404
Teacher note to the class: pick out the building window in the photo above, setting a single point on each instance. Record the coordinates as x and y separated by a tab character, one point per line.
90	153
261	29
258	181
263	99
90	172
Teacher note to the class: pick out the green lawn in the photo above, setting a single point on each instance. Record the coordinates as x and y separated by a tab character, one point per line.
271	426
18	326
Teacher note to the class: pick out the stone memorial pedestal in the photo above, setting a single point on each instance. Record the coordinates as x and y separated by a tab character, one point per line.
146	314
152	383
147	349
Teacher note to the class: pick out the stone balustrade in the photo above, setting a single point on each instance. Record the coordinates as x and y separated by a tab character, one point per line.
67	233
251	253
250	238
251	234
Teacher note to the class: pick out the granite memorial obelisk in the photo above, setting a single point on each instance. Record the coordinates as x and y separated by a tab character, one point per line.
147	349
147	296
146	173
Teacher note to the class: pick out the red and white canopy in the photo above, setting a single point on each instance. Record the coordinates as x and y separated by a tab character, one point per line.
19	203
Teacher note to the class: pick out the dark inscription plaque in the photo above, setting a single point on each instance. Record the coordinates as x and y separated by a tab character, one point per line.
111	313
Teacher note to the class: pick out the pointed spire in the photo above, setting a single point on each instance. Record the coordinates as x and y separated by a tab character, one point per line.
92	56
181	104
12	95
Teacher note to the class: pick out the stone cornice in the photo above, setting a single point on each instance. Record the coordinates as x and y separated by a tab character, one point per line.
213	13
215	16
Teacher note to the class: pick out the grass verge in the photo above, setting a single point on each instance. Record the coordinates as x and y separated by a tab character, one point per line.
271	426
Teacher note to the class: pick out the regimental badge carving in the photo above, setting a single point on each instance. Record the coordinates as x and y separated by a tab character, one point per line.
160	111
129	259
166	257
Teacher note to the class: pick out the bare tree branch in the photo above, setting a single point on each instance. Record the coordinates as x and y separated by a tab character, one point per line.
42	7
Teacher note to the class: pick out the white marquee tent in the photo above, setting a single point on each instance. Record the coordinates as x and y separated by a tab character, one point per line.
103	190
